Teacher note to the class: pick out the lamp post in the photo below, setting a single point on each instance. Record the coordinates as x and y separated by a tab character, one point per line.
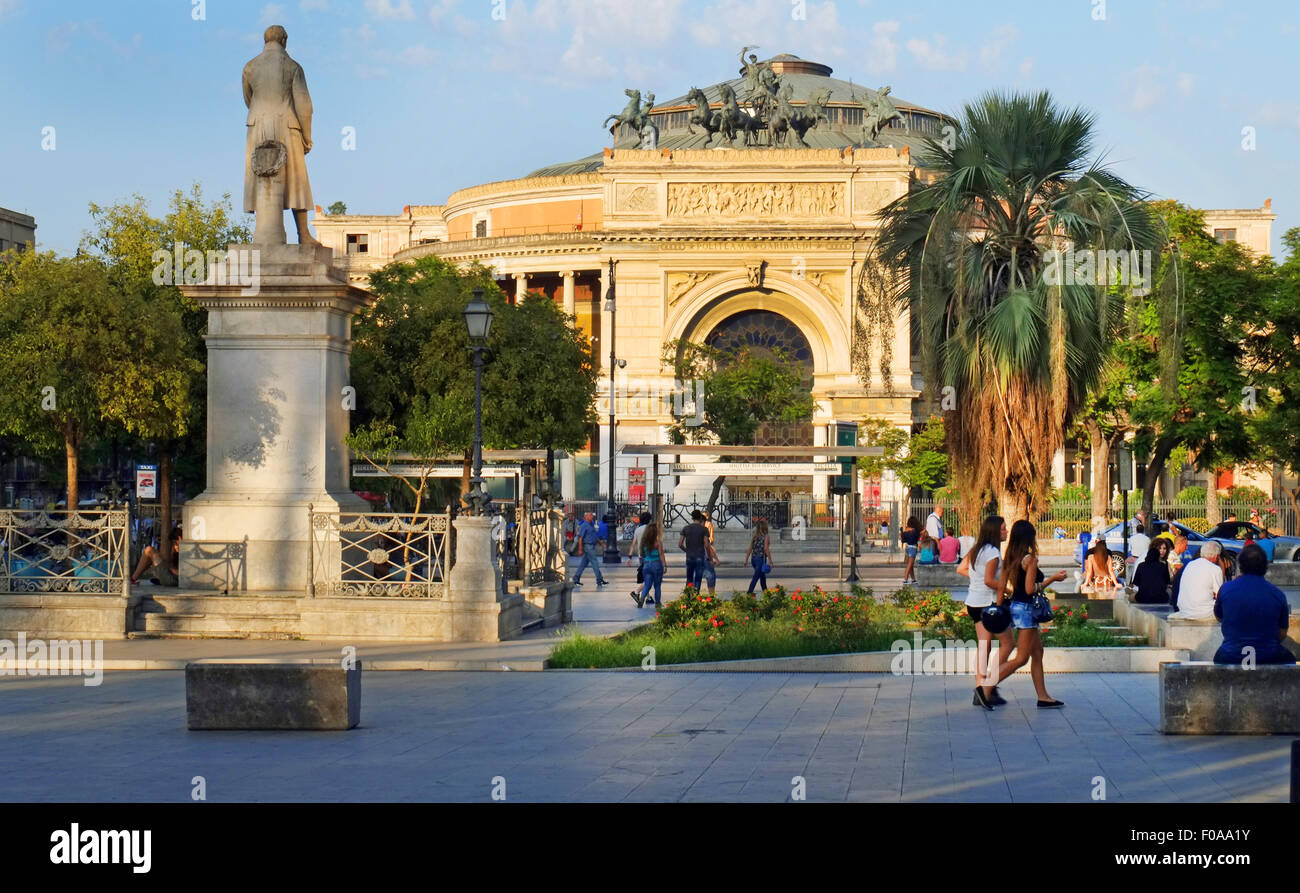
478	319
611	515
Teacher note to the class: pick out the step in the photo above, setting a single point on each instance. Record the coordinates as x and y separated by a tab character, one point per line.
244	605
218	623
159	634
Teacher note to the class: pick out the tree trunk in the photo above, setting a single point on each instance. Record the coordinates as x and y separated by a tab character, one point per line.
165	535
1100	447
1013	506
70	449
1213	514
1154	469
713	494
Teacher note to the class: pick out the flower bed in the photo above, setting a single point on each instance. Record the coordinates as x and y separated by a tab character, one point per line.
699	627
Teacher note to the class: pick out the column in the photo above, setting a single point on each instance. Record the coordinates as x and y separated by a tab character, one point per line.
570	303
521	286
821	483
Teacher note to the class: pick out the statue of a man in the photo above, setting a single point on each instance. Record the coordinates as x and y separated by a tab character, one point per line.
279	111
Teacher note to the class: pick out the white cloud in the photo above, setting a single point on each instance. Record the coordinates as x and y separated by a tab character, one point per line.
993	50
439	10
1026	68
384	9
417	55
937	55
365	33
1148	87
882	50
1187	83
8	6
271	14
313	5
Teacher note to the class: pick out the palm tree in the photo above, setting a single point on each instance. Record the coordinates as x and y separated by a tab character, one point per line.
971	247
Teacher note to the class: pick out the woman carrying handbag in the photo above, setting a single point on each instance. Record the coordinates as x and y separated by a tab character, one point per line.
1029	607
983	565
759	555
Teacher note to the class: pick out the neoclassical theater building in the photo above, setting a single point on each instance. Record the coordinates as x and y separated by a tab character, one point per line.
754	236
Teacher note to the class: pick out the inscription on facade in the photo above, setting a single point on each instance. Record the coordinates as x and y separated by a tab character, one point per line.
756	199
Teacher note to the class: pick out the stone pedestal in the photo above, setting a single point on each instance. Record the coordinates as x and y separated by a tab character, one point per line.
278	349
479	612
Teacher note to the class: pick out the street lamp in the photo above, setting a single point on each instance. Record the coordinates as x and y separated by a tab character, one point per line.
478	320
611	515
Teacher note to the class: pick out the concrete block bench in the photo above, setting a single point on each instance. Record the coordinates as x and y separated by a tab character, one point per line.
273	693
940	576
1201	698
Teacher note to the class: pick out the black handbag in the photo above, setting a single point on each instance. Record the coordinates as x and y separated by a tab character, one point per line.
1040	608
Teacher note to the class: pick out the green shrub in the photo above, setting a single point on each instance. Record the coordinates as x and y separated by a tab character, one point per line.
1194	494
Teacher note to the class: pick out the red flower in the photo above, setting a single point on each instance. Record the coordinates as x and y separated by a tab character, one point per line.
697	632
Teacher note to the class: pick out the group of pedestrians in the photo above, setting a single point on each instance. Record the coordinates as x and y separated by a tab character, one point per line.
585	540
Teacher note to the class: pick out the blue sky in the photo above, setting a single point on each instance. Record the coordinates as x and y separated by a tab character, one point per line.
145	97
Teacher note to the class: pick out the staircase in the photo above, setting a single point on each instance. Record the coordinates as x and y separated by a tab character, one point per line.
207	616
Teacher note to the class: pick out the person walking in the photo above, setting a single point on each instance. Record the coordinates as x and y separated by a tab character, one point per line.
693	542
759	554
911	537
1019	568
634	554
589	549
653	563
983	565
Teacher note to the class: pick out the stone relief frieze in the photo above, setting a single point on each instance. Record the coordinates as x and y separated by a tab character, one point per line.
756	199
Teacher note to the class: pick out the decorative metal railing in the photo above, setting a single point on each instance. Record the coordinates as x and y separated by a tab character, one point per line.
542	555
379	555
742	513
61	551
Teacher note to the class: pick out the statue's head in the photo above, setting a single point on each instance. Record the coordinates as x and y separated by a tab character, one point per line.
884	91
753	58
277	34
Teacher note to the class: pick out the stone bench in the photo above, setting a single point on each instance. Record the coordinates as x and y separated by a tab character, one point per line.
273	693
1201	698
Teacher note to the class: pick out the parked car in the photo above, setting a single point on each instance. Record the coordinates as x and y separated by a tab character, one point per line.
1114	535
1233	536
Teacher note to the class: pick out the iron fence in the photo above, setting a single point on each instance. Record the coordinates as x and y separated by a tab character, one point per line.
379	554
62	551
543	555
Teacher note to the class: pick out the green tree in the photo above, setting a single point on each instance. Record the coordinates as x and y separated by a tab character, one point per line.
741	390
79	354
972	249
1275	374
412	368
1185	370
336	208
129	239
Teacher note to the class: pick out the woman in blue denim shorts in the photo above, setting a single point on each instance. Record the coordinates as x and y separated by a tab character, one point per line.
1019	567
910	536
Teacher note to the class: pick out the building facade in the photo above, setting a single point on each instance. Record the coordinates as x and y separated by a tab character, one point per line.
751	238
17	231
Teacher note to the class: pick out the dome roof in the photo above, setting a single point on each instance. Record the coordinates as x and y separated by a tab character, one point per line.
843	127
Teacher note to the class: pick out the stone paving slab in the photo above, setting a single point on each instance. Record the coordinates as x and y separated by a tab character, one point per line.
633	737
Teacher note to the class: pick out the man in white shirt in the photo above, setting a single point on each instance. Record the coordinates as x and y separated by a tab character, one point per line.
1200	584
934	524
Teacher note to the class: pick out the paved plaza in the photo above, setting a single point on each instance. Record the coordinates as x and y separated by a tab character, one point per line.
565	736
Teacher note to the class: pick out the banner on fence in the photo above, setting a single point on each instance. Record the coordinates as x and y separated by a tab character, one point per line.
754	468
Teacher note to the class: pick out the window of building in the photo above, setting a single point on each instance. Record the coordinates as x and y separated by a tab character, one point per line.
480	229
1225	235
358	244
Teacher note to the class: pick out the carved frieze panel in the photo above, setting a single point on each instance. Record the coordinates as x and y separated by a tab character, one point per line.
731	200
635	198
